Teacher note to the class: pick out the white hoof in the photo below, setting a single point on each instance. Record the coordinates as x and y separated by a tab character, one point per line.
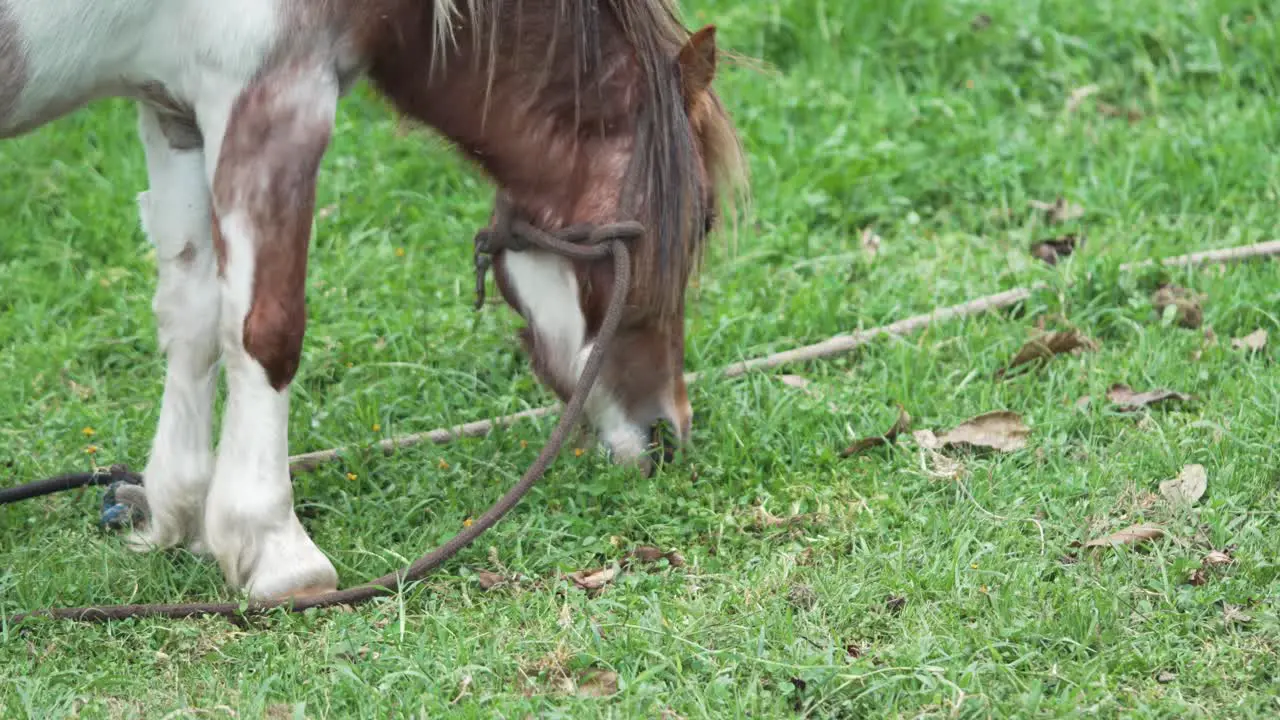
279	565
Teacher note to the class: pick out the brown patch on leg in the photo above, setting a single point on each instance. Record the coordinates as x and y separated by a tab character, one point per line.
271	152
219	243
13	64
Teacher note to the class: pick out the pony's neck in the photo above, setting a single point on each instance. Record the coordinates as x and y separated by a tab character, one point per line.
552	128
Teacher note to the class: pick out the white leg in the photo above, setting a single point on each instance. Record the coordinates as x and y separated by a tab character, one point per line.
175	216
275	134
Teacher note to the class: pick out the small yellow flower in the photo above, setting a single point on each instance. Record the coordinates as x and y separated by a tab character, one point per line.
443	465
377	427
351	365
89	432
352	476
577	452
973	565
399	252
468	522
524	444
982	589
91	449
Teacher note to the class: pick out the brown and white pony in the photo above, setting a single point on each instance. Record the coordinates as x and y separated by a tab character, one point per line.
581	111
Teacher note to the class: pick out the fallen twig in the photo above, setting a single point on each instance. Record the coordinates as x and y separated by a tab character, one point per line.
836	345
1225	255
440	436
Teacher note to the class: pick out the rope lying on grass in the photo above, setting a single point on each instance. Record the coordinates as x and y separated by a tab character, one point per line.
393	581
835	345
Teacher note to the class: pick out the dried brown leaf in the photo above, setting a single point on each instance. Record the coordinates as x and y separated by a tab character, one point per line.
980	22
1053	249
1186	304
902	425
1059	211
1254	341
999	430
1197	578
597	683
1132	535
647	554
927	439
489	580
1045	346
1216	558
1127	400
1165	677
895	603
594	579
794	381
1188	487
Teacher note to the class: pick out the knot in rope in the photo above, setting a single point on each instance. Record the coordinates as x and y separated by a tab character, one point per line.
576	242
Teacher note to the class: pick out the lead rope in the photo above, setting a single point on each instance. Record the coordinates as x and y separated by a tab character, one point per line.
578	243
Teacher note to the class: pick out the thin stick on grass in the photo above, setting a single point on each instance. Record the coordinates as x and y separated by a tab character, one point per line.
1225	255
836	345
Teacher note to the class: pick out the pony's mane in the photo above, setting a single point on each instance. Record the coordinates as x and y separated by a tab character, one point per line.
663	189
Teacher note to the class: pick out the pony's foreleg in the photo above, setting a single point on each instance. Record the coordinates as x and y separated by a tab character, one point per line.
175	216
264	182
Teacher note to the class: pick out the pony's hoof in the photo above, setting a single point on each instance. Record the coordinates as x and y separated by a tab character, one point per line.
124	504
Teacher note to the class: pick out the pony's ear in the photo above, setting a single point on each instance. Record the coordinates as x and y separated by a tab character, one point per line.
697	62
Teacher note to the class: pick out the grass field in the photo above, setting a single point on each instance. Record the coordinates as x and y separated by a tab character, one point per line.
908	584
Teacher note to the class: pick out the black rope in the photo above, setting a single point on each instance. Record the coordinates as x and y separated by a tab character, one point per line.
70	481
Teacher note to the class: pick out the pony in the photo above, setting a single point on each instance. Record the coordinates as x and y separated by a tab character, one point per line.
579	111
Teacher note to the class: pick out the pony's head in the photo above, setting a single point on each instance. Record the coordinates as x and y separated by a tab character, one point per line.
587	111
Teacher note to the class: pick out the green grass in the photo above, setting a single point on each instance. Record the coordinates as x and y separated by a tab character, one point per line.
894	115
